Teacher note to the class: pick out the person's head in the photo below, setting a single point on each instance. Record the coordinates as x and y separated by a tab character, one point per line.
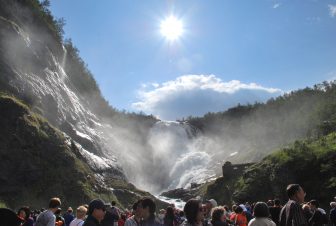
58	211
211	203
97	209
181	213
218	214
333	205
276	202
194	211
54	204
270	203
238	210
234	207
81	212
170	212
148	209
313	204
113	203
137	209
22	213
306	208
226	208
70	210
261	210
296	193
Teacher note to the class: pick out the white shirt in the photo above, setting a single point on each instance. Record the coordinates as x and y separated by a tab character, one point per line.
262	221
77	222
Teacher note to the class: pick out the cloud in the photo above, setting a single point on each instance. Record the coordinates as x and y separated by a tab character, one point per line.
332	10
198	94
276	5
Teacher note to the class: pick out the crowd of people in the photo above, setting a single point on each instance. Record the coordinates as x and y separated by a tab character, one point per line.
296	212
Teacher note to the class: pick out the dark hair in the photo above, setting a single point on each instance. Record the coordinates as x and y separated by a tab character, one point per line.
261	210
135	205
181	213
58	211
277	202
170	212
148	202
26	210
169	216
238	209
292	189
54	203
216	215
314	202
191	209
113	203
226	207
270	203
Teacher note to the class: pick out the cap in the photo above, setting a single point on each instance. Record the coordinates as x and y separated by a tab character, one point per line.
213	202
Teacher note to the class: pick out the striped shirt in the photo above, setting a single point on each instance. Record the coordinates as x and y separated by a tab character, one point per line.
292	215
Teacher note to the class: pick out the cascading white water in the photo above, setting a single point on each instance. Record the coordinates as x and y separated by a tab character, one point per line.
177	154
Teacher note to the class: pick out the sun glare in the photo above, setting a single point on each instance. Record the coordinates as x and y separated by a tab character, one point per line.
171	28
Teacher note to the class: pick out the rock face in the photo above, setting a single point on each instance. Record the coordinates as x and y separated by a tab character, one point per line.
59	143
33	68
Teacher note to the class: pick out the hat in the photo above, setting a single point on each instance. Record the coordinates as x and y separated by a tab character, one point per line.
213	202
96	204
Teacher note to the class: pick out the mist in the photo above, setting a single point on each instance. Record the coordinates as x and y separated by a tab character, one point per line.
155	155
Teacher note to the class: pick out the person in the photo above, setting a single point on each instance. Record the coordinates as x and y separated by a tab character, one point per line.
194	212
21	214
161	216
47	217
28	219
261	215
112	215
275	211
239	218
218	217
96	213
169	218
68	216
317	219
59	219
209	204
292	214
332	214
122	219
306	211
148	212
80	216
9	218
135	220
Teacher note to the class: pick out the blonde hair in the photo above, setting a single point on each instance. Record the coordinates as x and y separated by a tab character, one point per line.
81	212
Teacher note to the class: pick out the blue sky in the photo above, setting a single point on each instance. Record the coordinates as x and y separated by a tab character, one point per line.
230	51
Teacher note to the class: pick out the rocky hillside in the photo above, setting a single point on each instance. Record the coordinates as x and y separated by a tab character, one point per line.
39	161
311	163
58	134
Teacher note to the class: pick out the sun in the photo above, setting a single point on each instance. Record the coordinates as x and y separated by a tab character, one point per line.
171	28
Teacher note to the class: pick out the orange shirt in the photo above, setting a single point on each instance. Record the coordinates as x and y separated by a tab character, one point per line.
240	219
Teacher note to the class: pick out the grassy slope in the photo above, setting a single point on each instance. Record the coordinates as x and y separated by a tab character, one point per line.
37	164
309	163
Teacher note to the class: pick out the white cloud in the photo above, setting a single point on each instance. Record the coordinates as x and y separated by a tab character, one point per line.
276	5
198	94
332	10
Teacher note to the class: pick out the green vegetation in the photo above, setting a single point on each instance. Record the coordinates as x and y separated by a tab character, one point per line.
255	130
38	164
311	163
